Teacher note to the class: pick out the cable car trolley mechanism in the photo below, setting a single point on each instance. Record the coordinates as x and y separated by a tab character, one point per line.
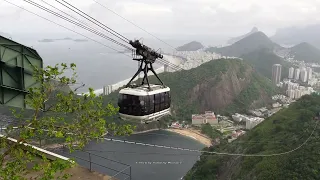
144	102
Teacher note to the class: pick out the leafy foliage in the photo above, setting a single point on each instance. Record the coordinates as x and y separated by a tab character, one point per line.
64	116
282	132
211	132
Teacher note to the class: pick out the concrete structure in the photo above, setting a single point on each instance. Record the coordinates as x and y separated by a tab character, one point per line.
252	122
291	73
276	73
17	68
303	75
297	74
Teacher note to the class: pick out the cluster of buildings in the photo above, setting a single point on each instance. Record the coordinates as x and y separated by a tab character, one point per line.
250	121
294	90
298	75
207	117
301	73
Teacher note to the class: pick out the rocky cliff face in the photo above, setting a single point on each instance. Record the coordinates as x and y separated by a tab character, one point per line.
227	87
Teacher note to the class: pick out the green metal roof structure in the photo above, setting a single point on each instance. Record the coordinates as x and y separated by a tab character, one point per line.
16	72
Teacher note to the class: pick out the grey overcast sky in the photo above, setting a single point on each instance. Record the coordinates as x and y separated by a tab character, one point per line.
228	17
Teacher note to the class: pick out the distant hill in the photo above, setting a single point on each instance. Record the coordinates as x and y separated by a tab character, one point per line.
246	45
191	46
296	35
285	131
63	39
223	86
262	61
305	52
235	39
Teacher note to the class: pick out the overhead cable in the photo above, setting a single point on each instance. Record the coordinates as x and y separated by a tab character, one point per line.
93	20
76	23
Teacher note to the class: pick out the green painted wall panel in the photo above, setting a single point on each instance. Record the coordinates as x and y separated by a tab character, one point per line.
11	76
16	69
9	55
5	41
13	98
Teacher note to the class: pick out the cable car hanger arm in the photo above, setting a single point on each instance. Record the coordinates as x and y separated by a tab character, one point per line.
147	58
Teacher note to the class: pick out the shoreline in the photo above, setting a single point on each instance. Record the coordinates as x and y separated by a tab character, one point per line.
192	134
145	131
197	136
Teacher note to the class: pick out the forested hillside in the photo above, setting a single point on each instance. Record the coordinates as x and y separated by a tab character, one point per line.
285	131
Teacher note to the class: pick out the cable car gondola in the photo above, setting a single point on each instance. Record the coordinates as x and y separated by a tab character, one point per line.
144	102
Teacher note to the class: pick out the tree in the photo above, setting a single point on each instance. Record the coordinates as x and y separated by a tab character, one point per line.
64	116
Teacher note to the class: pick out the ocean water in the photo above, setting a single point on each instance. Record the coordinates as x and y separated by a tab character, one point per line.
146	162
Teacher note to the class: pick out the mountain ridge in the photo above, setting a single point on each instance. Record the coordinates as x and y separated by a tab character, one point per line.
305	52
255	41
235	39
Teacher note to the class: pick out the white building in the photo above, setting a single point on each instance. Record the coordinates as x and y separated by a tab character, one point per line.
238	117
252	122
303	75
276	73
291	93
208	117
291	73
309	71
297	94
297	74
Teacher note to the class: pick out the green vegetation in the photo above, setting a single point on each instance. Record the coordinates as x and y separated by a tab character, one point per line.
192	90
56	116
211	132
262	61
282	132
306	52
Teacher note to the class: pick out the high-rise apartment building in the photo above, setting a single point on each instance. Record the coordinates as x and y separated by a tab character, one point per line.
303	75
276	73
297	74
309	71
291	73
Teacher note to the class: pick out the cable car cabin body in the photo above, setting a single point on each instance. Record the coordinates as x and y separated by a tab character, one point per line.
142	104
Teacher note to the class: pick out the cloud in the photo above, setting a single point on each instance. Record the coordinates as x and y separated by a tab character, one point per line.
229	17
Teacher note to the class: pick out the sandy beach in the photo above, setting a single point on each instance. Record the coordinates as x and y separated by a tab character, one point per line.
194	135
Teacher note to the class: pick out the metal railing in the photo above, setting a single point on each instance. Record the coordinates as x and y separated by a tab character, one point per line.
122	173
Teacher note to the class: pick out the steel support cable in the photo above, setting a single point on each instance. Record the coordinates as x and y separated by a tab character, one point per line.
132	23
175	49
76	23
113	32
164	62
80	21
67	28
